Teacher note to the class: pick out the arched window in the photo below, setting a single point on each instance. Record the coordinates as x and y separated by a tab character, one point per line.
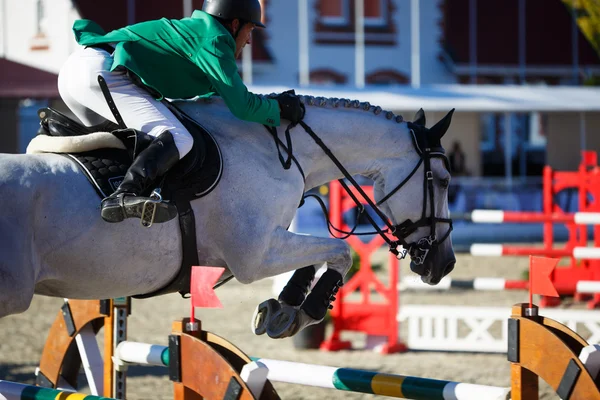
386	77
327	76
335	22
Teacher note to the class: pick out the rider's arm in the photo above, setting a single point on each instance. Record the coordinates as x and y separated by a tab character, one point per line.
217	60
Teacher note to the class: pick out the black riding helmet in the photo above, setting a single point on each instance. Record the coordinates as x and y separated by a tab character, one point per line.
245	10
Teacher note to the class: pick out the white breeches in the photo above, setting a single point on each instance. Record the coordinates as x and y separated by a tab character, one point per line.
78	86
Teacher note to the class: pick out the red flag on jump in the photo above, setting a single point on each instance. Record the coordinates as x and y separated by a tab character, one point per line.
201	287
540	269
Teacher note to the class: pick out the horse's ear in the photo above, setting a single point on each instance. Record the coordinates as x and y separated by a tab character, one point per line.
442	126
419	117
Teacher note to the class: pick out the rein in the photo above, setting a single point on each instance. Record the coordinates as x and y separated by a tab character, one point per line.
417	250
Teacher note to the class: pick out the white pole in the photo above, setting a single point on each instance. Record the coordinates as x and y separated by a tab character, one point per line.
415	76
304	66
247	64
303	42
187	8
359	23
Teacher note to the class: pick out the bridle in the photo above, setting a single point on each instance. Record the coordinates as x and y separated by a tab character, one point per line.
417	250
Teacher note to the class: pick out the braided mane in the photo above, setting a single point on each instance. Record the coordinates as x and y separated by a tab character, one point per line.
347	103
330	101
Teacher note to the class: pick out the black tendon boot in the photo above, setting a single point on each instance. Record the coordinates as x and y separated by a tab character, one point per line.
126	202
298	286
323	294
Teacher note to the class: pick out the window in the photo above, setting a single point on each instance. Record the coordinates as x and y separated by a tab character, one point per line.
335	12
375	13
39	40
335	22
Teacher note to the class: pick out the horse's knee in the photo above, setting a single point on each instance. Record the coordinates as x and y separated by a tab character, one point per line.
343	261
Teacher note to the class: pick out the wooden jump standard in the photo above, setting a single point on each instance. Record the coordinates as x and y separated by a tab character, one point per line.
204	365
541	347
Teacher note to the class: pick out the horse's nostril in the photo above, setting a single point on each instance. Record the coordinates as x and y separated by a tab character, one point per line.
449	267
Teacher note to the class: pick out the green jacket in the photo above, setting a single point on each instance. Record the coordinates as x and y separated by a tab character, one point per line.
182	59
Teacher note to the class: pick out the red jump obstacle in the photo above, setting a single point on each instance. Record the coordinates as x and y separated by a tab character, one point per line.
376	319
583	253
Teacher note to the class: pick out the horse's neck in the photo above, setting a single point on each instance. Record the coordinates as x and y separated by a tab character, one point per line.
359	139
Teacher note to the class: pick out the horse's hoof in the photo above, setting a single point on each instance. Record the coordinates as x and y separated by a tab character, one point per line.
262	315
284	323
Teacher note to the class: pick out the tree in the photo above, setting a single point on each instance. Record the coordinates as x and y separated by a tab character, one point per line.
587	13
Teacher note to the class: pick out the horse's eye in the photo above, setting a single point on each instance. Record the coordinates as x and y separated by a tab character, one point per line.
445	183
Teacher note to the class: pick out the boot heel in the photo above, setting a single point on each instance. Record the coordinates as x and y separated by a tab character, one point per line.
112	209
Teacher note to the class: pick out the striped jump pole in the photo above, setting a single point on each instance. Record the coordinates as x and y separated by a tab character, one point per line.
484	284
499	216
19	391
496	250
141	353
588	287
354	380
345	379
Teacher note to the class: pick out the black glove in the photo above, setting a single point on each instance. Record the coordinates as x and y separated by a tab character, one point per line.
290	106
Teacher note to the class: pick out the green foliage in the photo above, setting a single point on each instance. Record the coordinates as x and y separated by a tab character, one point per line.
592	81
587	13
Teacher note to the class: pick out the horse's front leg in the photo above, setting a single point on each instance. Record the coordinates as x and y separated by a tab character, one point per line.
293	311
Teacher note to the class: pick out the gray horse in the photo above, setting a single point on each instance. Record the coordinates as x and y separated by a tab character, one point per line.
54	243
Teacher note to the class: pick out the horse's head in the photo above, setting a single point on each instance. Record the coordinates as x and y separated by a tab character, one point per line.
414	194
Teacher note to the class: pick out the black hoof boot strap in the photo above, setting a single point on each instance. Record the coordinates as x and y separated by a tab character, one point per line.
298	286
323	294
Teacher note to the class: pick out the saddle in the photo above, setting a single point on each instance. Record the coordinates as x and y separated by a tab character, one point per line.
193	177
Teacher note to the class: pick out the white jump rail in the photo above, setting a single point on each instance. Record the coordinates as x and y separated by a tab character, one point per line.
499	250
500	216
447	283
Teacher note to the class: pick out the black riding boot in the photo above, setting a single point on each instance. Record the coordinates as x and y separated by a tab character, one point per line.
153	162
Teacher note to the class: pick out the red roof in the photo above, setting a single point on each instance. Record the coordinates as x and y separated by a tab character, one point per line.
548	33
21	81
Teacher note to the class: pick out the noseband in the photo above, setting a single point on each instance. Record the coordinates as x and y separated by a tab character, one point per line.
418	250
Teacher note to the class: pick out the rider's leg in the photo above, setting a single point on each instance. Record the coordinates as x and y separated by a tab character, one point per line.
78	85
153	162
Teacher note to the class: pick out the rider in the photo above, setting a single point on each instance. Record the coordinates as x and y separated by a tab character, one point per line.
171	59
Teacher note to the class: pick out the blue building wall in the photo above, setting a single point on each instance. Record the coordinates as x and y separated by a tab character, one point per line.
283	41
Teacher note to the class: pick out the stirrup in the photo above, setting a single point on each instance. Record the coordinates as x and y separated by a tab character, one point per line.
149	209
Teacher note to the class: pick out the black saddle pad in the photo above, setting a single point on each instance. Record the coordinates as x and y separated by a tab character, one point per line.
104	168
196	175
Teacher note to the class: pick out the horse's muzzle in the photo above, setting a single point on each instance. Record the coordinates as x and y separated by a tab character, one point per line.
434	269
